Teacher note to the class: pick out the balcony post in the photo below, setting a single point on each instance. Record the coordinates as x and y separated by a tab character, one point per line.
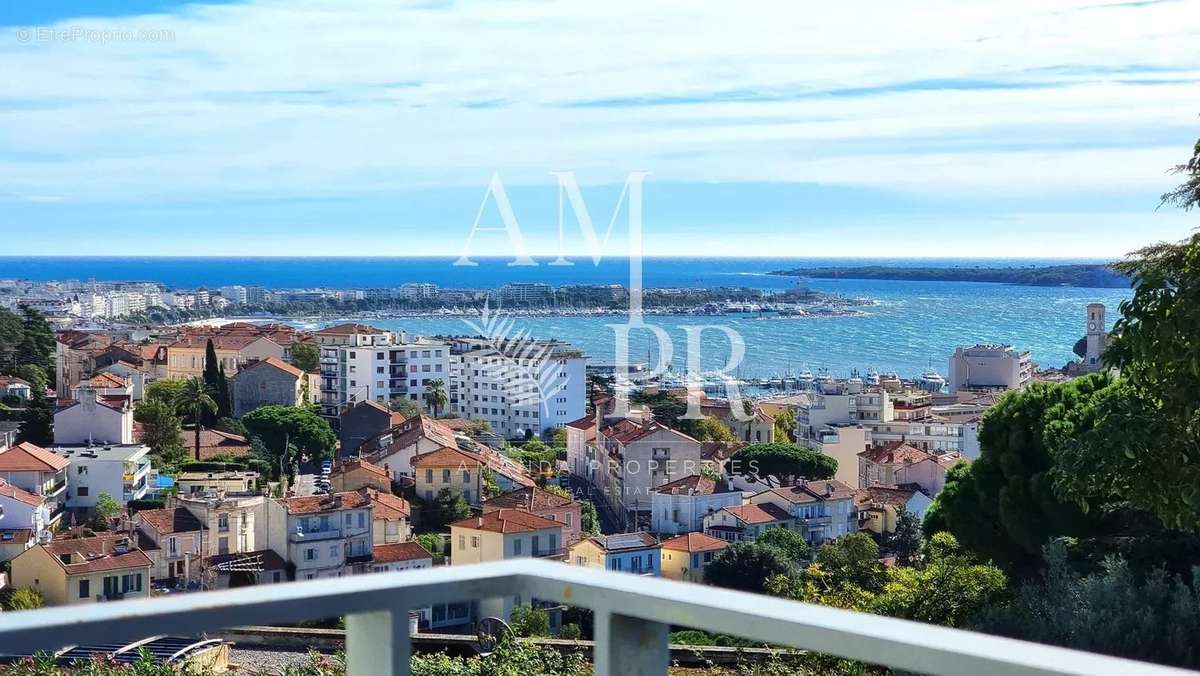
378	643
629	645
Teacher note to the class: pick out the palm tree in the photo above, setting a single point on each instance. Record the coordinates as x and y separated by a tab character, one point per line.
435	395
197	396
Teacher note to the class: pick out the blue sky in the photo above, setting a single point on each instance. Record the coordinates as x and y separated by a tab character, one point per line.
324	127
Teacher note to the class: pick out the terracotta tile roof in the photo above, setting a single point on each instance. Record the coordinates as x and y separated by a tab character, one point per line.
881	495
25	457
351	465
456	424
268	557
447	457
409	432
277	363
529	498
10	536
628	431
97	553
400	551
507	521
949	460
231	342
12	380
894	452
387	506
19	494
348	329
108	381
755	514
694	542
814	491
693	484
314	504
587	422
173	520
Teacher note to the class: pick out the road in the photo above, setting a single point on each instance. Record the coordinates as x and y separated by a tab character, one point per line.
609	522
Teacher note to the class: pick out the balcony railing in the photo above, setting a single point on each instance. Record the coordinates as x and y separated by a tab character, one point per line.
632	617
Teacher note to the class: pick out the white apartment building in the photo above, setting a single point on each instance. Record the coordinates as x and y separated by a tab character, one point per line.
840	404
989	367
381	367
322	535
94	418
680	506
534	386
820	510
120	471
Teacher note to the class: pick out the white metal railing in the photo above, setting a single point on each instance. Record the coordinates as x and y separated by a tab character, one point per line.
632	616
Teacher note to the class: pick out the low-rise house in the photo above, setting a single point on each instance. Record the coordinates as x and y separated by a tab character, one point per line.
744	523
235	521
391	517
35	470
680	506
582	459
758	428
186	356
637	553
228	481
878	466
544	504
449	469
14	541
400	556
23	510
120	471
215	443
261	566
106	385
364	420
351	475
12	386
322	535
497	536
928	474
272	382
640	455
178	542
878	507
104	567
395	449
685	557
820	510
93	418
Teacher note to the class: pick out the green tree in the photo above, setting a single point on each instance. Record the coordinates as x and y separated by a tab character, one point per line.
589	519
907	541
443	510
37	340
1138	439
107	507
435	395
852	559
197	397
405	407
788	541
212	378
35	375
37	423
746	566
161	427
527	621
306	357
232	426
783	461
785	425
23	598
432	542
167	391
1004	506
711	429
283	429
558	438
949	590
11	332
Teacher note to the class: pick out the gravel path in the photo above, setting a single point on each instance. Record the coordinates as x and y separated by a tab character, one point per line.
271	661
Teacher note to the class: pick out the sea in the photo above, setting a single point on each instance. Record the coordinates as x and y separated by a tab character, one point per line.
909	327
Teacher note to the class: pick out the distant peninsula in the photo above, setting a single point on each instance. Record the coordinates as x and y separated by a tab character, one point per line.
1093	276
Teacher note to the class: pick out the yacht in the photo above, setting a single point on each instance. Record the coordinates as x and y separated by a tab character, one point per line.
931	380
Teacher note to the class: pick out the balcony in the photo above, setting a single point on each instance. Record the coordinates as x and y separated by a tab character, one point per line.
550	553
314	535
632	616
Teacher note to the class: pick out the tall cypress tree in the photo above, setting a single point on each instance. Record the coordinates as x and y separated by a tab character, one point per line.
224	401
215	379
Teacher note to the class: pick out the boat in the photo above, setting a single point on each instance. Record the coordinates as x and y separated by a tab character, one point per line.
931	380
872	376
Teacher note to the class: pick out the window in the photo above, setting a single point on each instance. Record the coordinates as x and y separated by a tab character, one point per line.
379	355
222	522
333	551
569	519
223	545
82	491
310	554
83	469
475	542
462	541
173	546
516	547
362	519
428	476
445	476
85	588
466	476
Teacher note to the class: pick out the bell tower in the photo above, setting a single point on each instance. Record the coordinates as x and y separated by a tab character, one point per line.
1097	335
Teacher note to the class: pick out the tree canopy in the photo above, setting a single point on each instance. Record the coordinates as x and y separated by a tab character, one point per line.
306	357
284	428
746	566
785	461
792	544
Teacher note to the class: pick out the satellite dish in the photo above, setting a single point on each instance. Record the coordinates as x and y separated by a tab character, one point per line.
490	631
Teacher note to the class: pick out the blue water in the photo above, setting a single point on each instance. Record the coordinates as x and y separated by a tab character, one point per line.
914	325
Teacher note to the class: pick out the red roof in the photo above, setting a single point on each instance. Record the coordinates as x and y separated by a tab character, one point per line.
695	484
507	521
400	551
314	504
10	491
754	514
348	329
279	364
447	457
695	542
108	381
530	498
173	520
351	465
387	506
25	457
97	553
895	452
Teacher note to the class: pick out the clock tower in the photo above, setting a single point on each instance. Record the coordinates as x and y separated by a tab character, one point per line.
1097	335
